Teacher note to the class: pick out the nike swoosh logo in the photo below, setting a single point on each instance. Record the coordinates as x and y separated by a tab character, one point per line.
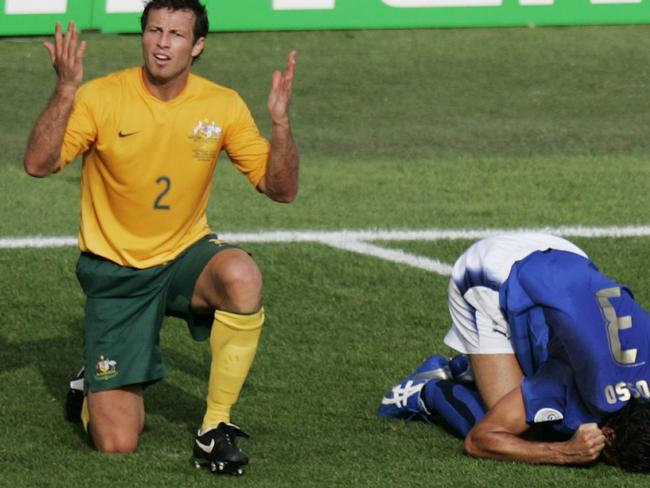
204	447
126	134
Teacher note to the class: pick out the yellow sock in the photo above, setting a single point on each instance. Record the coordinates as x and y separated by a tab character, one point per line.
85	414
233	343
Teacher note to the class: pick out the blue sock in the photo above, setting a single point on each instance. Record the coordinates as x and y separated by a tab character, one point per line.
459	404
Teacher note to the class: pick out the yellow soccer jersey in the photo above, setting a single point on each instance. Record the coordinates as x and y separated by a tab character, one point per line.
148	164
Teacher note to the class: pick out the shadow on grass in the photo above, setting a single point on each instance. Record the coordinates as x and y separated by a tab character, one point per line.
58	360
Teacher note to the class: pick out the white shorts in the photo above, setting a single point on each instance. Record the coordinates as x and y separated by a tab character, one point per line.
477	324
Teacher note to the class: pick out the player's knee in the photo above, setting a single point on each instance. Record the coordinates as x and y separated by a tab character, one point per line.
247	278
244	287
231	281
116	443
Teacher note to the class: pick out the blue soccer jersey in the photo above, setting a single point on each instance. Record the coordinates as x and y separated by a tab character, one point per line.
581	339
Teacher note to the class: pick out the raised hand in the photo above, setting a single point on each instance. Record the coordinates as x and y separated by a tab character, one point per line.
67	56
43	153
280	96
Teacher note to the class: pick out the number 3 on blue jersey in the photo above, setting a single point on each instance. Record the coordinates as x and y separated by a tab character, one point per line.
615	324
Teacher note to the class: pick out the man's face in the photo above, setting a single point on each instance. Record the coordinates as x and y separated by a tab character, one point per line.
168	45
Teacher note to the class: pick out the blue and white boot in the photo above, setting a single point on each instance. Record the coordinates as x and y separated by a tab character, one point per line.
403	400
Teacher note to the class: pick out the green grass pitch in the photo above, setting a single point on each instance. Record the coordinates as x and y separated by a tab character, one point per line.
414	129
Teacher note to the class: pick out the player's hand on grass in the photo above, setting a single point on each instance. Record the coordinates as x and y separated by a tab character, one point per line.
66	55
586	444
280	96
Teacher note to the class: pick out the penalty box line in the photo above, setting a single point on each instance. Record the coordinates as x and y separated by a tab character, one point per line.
357	240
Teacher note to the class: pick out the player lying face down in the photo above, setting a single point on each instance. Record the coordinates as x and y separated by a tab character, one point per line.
554	359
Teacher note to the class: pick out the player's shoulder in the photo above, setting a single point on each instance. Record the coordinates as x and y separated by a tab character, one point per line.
127	75
104	85
204	87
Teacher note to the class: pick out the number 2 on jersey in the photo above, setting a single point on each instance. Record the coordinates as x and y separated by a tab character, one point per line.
167	184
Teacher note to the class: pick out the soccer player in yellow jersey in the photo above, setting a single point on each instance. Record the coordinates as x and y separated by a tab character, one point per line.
150	137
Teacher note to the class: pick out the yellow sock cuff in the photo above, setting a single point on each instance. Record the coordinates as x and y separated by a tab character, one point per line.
238	321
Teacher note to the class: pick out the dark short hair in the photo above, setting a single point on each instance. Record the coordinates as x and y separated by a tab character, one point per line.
629	446
201	25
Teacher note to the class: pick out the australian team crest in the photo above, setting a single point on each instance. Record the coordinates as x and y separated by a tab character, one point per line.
106	368
205	140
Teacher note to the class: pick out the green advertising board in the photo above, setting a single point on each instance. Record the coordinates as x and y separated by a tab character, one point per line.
27	17
24	17
392	14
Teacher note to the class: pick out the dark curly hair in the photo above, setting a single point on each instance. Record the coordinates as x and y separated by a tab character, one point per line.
201	24
629	445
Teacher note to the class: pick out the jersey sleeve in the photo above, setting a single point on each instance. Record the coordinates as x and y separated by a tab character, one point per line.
245	147
550	396
81	130
545	393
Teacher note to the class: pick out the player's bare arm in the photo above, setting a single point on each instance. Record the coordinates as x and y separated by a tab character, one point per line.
42	156
499	435
281	180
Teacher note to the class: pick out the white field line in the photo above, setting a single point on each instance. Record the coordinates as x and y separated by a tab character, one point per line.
424	234
394	255
36	242
356	240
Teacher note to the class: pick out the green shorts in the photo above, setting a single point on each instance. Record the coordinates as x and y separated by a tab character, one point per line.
125	308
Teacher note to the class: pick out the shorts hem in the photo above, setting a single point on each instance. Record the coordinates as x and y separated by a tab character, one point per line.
112	386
